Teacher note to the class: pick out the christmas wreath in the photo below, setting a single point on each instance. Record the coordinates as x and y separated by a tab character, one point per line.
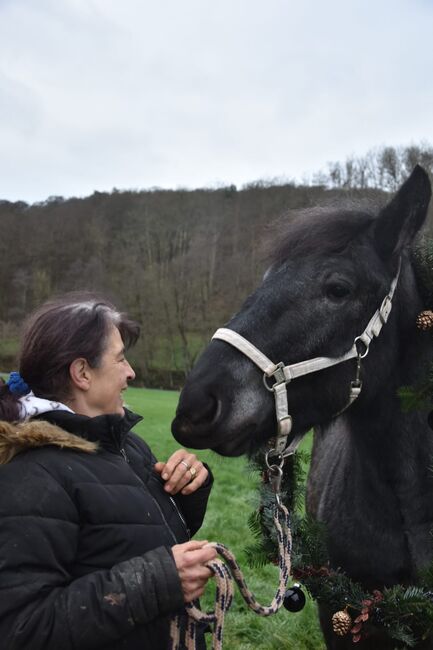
405	613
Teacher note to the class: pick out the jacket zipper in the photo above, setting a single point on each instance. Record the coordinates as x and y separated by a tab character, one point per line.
126	459
162	515
188	532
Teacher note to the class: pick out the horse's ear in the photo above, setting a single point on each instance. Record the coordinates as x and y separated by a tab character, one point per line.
403	216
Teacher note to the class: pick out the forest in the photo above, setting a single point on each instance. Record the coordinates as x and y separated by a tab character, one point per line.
179	261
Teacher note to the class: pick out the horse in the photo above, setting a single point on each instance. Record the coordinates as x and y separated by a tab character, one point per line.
370	480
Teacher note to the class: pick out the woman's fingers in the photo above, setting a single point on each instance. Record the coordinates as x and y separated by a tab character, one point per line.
191	563
198	480
181	470
173	462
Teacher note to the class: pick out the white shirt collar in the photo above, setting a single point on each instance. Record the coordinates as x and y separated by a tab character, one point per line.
30	406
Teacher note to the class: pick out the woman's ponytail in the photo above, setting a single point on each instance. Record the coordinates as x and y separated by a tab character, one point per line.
9	403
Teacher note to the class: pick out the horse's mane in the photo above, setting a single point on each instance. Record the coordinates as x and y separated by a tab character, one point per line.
319	231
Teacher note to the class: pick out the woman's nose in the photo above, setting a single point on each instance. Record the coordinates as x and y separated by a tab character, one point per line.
130	371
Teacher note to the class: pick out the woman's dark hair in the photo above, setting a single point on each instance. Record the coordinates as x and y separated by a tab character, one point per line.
60	331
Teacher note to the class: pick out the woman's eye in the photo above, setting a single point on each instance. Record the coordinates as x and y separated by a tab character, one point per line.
337	291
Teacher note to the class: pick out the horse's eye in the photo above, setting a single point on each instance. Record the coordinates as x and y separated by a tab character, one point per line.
337	291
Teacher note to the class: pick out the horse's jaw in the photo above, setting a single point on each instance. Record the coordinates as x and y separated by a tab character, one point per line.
223	442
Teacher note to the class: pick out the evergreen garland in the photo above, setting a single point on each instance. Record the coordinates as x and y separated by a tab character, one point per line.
421	395
422	262
403	613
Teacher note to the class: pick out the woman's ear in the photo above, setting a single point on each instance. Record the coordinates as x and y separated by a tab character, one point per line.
79	372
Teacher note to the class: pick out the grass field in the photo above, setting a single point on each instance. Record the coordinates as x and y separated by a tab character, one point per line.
233	498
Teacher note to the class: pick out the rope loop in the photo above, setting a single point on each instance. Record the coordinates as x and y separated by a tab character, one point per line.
226	573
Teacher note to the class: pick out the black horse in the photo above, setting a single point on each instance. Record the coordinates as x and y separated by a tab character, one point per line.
370	480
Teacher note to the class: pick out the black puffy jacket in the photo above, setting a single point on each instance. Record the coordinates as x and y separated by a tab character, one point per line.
85	537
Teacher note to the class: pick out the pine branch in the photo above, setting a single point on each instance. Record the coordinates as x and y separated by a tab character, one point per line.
413	399
422	260
257	555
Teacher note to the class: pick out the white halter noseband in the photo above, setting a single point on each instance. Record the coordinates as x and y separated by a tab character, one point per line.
284	374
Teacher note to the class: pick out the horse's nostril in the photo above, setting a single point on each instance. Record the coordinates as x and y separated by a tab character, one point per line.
204	409
181	425
194	416
196	408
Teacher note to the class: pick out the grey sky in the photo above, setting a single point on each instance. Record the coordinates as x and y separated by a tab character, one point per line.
96	94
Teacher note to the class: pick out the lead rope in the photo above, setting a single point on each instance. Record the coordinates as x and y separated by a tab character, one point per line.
225	573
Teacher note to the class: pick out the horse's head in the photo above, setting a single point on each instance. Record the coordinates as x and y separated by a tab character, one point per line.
330	272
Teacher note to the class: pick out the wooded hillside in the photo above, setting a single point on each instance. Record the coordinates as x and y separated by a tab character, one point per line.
180	262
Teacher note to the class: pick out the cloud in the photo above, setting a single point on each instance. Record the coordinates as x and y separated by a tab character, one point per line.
96	94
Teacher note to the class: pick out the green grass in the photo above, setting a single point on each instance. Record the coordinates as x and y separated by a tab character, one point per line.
233	497
9	347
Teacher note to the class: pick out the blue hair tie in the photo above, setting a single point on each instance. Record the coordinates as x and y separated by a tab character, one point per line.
17	385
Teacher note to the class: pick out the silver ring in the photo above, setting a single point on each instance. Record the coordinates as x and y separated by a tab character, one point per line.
187	465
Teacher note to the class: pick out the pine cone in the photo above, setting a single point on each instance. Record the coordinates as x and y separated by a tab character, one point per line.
341	623
424	320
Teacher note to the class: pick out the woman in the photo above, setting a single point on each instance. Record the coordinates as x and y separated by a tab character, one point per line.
93	531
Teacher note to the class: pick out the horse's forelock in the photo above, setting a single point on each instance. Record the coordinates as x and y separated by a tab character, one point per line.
317	232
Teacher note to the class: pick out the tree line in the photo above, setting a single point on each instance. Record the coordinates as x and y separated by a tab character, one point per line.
383	168
179	261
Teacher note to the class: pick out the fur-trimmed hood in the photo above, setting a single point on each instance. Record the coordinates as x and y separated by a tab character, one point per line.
15	438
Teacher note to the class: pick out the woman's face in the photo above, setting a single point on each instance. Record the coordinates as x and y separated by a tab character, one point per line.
108	382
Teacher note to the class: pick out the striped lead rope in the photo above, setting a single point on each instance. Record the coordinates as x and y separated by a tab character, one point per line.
225	573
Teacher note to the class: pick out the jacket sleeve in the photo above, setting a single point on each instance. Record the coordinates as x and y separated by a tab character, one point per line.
193	506
41	606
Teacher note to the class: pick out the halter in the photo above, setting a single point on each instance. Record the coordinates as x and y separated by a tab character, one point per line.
283	375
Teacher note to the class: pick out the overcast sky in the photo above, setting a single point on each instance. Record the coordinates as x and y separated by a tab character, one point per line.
96	94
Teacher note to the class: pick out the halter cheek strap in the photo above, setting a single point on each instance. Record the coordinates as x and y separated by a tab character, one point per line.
283	374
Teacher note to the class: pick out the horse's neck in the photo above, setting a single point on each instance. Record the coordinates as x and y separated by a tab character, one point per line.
395	445
379	450
375	441
370	477
380	423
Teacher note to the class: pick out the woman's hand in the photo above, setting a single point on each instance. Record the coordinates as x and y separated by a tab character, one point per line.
183	472
191	559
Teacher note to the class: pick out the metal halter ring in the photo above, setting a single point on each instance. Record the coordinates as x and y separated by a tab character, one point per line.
265	383
361	353
278	375
274	461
